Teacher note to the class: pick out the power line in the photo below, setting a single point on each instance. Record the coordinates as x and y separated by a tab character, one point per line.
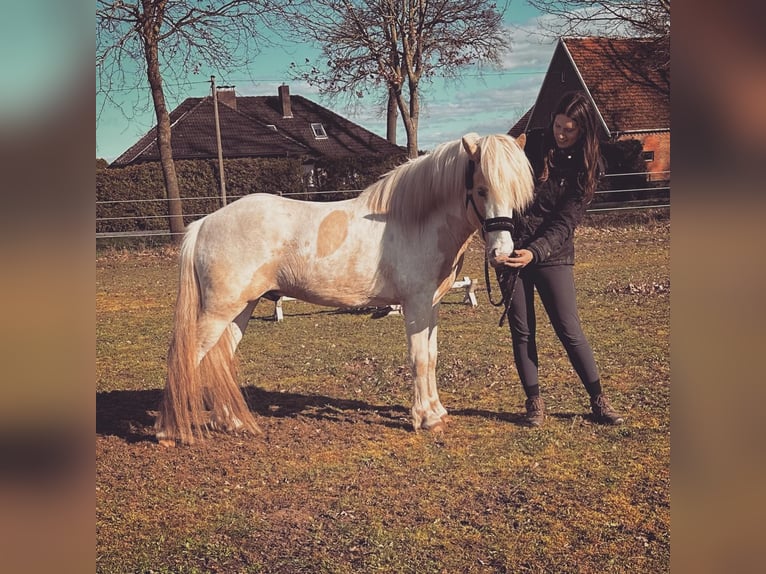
278	80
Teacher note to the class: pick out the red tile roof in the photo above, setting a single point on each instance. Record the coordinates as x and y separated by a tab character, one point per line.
245	132
344	138
628	83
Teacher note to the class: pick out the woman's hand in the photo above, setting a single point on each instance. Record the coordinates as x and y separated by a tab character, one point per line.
520	258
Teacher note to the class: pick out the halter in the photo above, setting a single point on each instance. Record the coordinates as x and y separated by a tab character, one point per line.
507	275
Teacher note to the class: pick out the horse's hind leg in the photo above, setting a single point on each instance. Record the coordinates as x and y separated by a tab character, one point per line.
219	339
238	326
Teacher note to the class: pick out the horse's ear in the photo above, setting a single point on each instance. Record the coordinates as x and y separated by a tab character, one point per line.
471	145
522	140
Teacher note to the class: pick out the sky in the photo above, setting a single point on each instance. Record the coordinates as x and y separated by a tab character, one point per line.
487	102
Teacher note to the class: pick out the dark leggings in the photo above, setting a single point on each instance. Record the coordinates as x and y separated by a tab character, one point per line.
555	284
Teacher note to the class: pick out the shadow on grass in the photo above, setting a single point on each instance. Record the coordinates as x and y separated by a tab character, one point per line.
287	405
519	418
513	418
126	414
130	414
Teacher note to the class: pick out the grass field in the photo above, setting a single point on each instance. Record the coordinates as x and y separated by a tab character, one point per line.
340	483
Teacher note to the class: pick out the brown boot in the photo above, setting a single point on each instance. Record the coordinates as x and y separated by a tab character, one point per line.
535	411
603	411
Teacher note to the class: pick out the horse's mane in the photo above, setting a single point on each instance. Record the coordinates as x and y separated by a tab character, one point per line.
409	192
413	190
505	165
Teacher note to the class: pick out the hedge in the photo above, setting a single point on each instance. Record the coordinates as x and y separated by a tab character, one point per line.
624	157
133	198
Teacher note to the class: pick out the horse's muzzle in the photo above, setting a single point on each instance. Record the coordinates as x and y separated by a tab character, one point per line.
497	259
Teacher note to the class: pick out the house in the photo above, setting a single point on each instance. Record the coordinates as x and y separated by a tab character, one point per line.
283	125
629	89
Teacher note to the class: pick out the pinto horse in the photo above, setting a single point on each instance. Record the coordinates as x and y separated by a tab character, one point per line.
401	241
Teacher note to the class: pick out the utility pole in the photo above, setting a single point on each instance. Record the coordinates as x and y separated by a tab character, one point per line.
218	141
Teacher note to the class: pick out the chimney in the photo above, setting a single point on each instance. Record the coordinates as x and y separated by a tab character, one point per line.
284	100
226	95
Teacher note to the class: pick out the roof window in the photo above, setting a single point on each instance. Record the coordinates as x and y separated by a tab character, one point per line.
272	127
319	132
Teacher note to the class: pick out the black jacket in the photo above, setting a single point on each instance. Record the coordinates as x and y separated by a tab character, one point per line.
547	227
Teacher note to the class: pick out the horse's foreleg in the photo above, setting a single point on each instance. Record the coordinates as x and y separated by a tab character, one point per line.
427	411
433	393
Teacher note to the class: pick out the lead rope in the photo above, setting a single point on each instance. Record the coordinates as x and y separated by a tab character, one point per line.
507	293
489	225
510	273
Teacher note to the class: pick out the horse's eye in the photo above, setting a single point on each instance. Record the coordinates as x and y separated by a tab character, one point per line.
482	192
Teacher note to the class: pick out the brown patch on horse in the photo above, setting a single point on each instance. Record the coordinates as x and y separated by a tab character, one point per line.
332	233
263	280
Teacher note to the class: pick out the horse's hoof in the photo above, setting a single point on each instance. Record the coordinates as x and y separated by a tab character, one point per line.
438	428
163	439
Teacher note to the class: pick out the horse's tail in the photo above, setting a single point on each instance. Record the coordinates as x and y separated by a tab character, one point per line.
181	414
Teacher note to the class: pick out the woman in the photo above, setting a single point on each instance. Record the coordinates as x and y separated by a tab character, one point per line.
565	158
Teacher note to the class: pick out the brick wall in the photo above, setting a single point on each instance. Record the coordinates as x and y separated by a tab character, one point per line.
659	143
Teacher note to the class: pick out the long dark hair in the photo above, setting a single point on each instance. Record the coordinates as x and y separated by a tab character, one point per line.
576	106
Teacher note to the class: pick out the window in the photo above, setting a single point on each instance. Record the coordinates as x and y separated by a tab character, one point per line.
319	132
272	127
647	155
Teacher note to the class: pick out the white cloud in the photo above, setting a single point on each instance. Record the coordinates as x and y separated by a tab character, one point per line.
488	103
447	113
531	48
492	104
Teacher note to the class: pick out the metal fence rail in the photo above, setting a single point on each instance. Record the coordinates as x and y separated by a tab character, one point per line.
649	201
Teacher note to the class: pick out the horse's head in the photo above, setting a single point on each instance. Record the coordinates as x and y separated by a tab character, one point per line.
498	183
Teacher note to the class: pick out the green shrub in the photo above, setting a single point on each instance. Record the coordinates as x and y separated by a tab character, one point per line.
133	198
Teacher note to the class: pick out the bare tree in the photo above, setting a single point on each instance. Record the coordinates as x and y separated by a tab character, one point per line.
389	47
641	18
173	38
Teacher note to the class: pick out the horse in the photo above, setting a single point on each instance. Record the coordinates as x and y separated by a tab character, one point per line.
401	241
